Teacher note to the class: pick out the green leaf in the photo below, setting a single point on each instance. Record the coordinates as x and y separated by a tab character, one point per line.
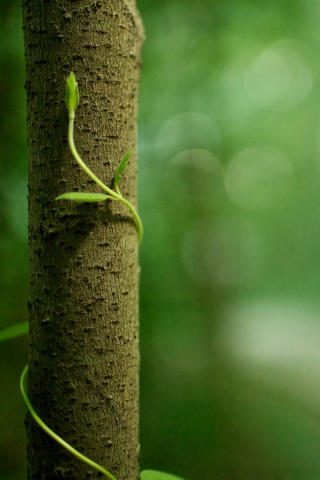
72	93
121	167
154	475
83	197
14	331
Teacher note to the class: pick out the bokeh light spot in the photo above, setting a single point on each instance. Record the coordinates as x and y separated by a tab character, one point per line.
258	178
226	252
279	78
268	329
186	131
200	159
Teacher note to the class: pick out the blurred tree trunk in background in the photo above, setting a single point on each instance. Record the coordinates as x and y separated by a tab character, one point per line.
83	358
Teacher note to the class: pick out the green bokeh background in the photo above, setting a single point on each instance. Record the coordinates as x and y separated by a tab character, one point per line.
229	192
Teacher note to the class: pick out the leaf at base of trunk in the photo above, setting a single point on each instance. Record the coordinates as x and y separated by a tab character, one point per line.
154	475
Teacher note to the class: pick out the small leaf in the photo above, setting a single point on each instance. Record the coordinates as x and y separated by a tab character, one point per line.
83	197
154	475
72	93
121	167
14	331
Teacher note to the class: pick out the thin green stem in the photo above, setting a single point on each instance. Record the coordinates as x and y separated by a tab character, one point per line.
56	437
84	166
135	215
117	189
115	195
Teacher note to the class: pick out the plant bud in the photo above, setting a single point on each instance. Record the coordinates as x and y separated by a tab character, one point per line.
72	93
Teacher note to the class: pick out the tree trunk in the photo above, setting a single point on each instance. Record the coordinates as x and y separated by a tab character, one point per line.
83	358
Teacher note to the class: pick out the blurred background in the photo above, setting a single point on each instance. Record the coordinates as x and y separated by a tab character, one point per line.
229	192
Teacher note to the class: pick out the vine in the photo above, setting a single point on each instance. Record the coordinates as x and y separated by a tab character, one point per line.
72	102
56	437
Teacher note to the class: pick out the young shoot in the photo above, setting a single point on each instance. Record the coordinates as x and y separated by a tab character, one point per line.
72	101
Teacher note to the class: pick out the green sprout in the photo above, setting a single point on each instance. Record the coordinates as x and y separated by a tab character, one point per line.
72	102
72	94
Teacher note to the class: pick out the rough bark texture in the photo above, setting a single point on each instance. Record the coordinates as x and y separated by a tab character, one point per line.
83	362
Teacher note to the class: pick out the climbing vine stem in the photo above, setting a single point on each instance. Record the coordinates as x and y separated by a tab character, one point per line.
56	437
72	102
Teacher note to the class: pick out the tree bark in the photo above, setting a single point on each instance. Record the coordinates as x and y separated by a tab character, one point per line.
83	308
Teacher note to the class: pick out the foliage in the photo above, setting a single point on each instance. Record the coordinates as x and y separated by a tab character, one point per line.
153	475
72	102
14	331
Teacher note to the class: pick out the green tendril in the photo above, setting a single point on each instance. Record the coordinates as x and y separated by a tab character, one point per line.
72	101
56	437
